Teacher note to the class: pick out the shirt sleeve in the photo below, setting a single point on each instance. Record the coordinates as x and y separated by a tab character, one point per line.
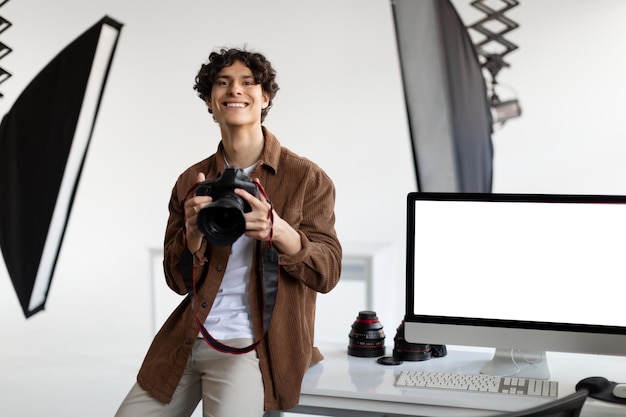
174	243
318	264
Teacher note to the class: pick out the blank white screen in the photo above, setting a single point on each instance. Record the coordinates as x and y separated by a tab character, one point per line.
551	262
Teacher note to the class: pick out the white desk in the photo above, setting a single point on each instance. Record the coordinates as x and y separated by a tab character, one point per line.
347	386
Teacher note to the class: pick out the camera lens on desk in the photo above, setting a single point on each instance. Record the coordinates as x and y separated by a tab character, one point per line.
406	351
367	338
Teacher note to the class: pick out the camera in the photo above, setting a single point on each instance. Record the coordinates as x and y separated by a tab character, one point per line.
222	221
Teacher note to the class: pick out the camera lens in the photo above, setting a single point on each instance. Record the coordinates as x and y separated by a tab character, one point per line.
223	222
367	338
406	351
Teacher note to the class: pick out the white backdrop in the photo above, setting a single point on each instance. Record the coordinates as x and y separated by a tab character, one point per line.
340	104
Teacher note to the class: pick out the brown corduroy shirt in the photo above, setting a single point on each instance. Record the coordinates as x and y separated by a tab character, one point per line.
304	196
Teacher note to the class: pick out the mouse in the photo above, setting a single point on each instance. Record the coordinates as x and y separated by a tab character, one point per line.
594	384
619	390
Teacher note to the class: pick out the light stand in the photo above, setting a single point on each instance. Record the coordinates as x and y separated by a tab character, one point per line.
4	50
493	27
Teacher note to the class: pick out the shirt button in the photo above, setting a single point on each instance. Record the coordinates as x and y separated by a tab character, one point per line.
220	268
189	341
205	304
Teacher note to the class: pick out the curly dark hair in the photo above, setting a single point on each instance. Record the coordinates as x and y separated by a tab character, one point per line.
261	69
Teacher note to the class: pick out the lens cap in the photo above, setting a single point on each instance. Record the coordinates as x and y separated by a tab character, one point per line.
389	360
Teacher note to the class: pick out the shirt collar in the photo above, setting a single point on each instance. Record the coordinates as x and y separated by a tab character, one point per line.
270	155
271	151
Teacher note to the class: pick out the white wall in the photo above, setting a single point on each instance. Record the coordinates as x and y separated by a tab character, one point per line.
340	104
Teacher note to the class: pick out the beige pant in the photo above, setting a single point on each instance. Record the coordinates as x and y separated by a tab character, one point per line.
229	385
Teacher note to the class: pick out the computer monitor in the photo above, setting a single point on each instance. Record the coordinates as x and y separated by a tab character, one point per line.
522	273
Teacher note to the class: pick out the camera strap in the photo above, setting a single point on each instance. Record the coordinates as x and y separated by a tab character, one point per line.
271	271
270	289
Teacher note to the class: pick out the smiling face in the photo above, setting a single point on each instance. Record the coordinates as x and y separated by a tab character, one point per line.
236	99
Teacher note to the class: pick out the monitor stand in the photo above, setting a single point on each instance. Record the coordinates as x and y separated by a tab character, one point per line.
515	363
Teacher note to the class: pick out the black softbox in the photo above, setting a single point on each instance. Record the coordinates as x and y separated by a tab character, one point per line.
44	139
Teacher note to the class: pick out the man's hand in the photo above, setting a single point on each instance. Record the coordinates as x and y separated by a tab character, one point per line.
259	224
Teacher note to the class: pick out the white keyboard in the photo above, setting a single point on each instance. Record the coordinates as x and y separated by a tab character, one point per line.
478	391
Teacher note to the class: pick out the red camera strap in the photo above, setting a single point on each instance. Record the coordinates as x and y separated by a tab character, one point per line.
271	272
270	290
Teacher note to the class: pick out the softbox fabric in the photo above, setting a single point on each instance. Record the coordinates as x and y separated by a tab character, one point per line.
446	98
43	144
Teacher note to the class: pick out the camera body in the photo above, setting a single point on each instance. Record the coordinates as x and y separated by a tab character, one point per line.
222	221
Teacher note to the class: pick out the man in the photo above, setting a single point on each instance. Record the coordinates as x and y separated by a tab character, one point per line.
227	286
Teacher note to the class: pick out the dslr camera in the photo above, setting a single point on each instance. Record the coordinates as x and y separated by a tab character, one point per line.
222	221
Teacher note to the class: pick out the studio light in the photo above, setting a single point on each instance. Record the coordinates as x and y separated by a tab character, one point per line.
501	111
